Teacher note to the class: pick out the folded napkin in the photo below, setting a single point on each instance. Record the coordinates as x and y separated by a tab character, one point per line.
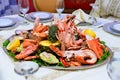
81	16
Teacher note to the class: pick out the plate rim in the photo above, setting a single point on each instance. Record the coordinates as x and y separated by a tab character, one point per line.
13	23
28	17
107	28
32	13
112	27
49	15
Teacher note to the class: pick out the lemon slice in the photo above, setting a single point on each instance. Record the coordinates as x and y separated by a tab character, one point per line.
48	43
90	33
13	44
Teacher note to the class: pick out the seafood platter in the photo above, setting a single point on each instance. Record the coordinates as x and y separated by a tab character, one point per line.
59	46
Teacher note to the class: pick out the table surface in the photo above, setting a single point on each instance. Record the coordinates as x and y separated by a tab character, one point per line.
7	65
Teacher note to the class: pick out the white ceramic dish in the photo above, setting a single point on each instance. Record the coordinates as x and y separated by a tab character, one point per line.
14	25
107	28
116	28
41	15
6	22
32	19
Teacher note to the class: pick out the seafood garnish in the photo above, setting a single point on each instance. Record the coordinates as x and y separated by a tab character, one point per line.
67	32
70	45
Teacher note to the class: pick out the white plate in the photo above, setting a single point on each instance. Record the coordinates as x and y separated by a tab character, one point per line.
6	22
107	28
15	21
116	28
41	15
28	17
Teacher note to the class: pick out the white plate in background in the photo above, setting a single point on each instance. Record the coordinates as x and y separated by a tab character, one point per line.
107	28
116	28
30	18
6	22
41	15
15	23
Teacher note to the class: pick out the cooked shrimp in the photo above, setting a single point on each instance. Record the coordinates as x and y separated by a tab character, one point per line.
31	57
28	42
29	46
26	52
57	51
36	23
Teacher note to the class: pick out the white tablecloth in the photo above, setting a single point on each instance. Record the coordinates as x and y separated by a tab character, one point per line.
98	73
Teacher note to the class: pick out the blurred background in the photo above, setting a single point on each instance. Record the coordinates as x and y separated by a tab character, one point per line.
8	7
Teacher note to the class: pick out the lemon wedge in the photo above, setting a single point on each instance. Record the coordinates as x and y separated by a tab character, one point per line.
13	44
48	43
90	32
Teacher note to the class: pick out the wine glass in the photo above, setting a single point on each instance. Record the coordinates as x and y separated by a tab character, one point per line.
94	19
26	68
23	8
113	67
60	7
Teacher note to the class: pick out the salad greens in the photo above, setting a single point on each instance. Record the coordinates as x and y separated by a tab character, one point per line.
12	55
102	42
52	33
60	64
105	55
40	62
5	43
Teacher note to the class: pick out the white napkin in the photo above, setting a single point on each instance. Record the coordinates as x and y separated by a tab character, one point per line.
81	16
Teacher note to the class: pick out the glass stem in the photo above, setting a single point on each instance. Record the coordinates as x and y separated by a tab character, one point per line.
24	16
26	77
59	15
25	21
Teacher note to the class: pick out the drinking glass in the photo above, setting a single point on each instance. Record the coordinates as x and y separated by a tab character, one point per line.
94	19
26	68
23	8
113	67
60	7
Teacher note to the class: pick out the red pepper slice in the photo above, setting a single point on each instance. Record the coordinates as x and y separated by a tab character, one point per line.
65	64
